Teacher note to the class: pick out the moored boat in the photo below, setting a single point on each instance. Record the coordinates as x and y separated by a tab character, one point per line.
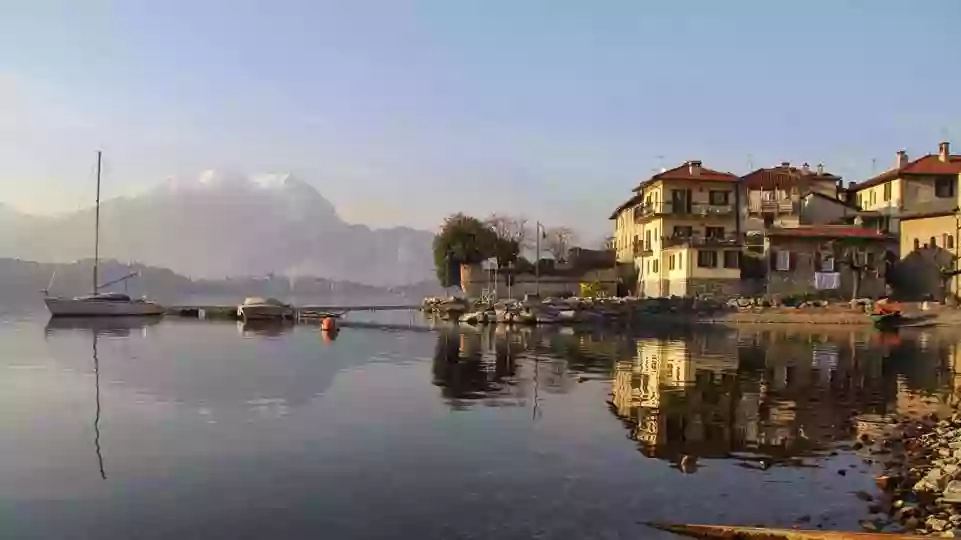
99	304
260	309
762	533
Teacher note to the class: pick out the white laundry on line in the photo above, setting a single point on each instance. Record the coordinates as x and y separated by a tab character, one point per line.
827	280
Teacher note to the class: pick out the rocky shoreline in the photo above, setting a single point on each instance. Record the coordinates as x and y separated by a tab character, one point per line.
675	310
920	488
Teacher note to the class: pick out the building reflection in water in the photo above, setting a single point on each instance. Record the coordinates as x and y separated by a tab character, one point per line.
774	392
713	392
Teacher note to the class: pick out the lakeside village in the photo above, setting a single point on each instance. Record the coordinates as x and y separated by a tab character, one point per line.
779	244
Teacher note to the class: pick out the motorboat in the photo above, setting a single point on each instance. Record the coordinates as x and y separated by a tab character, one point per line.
256	308
99	304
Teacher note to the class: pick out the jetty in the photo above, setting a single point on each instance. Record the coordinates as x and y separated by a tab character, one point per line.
303	312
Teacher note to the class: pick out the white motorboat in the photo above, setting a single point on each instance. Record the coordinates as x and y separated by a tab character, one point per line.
261	309
99	304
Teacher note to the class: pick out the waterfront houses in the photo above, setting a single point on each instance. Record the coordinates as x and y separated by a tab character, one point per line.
786	229
684	228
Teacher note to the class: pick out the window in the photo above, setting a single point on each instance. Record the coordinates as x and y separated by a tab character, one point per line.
782	261
731	259
680	263
949	242
715	232
719	198
944	187
874	198
706	259
887	191
654	266
869	259
917	243
767	195
932	243
670	263
827	262
683	231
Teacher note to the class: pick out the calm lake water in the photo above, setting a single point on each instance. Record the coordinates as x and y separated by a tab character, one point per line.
187	429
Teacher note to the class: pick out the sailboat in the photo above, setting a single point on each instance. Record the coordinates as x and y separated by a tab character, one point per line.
100	304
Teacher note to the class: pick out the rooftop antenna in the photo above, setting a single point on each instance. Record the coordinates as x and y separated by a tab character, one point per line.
750	162
874	165
660	163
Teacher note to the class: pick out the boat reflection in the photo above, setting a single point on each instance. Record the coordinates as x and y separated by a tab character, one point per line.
265	328
113	326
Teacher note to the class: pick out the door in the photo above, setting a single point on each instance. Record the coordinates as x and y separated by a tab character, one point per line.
681	201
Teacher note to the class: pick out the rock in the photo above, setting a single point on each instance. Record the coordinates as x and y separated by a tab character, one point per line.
911	523
864	496
952	492
886	482
935	524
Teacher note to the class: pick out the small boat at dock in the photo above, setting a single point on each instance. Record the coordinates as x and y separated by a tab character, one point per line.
886	315
262	309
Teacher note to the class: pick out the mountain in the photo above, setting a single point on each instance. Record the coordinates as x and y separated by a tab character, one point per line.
21	283
227	224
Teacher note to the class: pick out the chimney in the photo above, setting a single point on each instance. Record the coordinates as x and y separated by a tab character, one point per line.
820	169
944	152
902	159
806	169
694	167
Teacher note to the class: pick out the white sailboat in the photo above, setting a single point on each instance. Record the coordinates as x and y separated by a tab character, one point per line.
100	304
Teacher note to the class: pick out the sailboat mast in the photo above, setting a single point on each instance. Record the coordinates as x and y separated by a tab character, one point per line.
96	230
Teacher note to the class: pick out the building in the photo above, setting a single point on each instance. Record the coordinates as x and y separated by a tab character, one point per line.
687	226
925	185
929	254
783	196
626	238
830	260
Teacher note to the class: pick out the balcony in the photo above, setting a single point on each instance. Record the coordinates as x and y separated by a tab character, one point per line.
645	211
643	250
779	206
698	240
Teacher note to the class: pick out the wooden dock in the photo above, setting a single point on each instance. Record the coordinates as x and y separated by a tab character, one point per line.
303	312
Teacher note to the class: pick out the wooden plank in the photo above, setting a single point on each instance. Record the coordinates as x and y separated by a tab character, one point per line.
726	532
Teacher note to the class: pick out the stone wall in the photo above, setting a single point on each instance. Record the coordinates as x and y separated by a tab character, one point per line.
799	279
475	281
711	287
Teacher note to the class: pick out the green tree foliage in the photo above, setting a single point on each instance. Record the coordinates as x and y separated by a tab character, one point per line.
462	240
467	240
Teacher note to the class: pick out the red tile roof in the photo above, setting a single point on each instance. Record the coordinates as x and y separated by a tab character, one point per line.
784	176
929	164
829	231
684	172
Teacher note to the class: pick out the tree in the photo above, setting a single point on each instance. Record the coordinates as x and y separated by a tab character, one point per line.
511	229
557	241
462	240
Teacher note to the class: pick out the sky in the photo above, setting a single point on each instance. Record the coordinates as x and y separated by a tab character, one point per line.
401	112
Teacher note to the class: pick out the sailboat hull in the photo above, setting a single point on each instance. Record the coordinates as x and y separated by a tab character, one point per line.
86	307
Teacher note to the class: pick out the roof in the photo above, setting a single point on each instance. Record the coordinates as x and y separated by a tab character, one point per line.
784	176
690	170
832	199
929	164
829	231
630	202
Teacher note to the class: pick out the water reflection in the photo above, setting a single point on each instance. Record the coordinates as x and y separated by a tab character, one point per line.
113	326
754	394
265	328
775	393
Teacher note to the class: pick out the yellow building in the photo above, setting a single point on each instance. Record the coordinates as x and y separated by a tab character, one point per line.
928	184
688	222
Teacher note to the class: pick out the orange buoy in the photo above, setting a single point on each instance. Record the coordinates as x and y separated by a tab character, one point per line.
329	324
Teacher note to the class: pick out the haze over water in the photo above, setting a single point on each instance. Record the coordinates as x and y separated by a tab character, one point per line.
210	430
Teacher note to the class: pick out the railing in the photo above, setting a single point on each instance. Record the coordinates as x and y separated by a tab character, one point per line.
646	210
698	240
779	206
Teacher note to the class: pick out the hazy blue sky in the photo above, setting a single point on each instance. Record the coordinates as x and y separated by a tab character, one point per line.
401	112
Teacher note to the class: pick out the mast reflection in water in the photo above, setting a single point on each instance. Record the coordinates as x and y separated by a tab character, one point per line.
113	326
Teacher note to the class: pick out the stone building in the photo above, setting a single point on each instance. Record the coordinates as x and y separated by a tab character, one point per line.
822	259
780	196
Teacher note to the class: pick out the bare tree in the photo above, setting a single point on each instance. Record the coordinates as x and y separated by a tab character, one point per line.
513	229
557	241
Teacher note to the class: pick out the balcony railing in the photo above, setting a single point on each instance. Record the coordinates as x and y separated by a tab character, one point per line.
647	210
779	206
699	240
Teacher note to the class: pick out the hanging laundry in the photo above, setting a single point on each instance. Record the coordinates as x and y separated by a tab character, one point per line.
827	280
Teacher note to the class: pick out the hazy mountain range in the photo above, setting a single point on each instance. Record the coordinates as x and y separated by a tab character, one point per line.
221	225
21	282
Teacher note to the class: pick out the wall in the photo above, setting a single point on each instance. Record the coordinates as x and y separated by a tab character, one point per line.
820	211
919	272
872	198
804	258
624	232
474	280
